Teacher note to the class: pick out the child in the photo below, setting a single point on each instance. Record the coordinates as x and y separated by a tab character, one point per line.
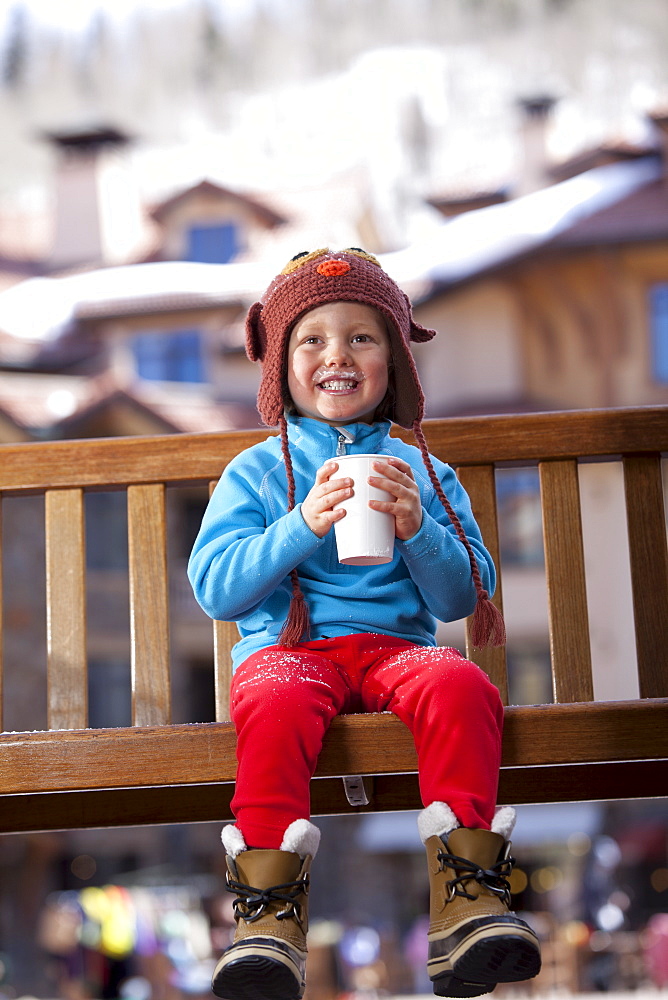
319	638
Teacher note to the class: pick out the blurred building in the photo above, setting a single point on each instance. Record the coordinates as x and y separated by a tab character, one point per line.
552	295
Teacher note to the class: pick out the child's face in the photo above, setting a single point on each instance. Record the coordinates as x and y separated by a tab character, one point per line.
338	357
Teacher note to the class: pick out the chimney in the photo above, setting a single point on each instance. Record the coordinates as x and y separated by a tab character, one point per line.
536	113
659	120
80	207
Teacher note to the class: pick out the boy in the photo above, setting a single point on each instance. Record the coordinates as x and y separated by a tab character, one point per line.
318	638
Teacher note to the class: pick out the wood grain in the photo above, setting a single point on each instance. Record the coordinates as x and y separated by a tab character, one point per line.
517	438
149	605
171	804
155	771
355	744
566	588
67	686
479	483
648	550
2	604
225	635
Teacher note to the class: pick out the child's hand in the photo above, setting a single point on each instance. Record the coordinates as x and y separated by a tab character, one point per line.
396	477
325	492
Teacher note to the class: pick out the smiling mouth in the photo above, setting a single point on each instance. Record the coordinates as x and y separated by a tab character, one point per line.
339	382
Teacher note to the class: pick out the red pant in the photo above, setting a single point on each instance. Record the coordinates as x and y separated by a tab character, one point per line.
283	701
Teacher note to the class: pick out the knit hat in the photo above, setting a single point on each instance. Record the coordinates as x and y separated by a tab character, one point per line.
310	280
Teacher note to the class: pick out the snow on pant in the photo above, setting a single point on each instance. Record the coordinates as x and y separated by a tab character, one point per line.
283	701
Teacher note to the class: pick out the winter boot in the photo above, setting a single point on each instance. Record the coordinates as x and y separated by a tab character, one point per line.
475	940
267	959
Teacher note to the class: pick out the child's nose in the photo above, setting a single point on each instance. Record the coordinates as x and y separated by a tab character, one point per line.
338	354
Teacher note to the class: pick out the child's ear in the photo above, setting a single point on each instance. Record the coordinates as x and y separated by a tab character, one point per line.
256	337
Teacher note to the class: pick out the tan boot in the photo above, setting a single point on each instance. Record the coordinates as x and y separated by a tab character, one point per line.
475	940
267	958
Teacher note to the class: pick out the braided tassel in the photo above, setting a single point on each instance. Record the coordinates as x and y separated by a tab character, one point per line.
297	625
487	626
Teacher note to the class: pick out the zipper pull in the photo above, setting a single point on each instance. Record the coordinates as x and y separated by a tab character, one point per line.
345	438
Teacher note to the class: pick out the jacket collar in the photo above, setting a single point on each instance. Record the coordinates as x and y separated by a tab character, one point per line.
315	435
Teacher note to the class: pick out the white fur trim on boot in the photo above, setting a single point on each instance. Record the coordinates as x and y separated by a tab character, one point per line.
302	838
436	820
504	822
233	840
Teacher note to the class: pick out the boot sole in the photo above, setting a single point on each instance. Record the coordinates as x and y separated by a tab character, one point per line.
260	969
487	952
449	986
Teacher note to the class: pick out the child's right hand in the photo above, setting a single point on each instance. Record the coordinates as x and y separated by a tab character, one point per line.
317	507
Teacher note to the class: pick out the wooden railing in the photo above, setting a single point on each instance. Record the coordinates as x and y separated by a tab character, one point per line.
155	772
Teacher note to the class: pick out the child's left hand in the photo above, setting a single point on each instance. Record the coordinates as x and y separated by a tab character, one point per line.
396	477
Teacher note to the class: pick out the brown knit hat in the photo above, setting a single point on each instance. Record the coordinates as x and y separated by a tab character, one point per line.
310	280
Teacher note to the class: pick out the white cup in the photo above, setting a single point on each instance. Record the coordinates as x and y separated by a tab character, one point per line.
364	537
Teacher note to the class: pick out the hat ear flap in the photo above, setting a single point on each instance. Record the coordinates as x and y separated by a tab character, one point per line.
420	334
256	337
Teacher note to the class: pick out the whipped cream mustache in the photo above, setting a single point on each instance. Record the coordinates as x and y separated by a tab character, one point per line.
323	375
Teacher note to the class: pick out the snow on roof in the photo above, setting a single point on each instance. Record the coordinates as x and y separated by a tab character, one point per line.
41	309
471	243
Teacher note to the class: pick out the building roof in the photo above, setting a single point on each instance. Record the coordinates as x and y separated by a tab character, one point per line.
598	156
63	405
265	215
472	244
88	139
641	216
40	310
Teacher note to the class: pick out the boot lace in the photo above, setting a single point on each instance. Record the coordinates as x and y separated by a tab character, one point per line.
251	902
495	878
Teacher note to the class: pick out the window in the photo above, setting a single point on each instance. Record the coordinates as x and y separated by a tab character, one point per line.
658	315
170	357
212	244
520	517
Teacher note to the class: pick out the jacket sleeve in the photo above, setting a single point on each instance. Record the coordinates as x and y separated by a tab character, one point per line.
436	558
240	555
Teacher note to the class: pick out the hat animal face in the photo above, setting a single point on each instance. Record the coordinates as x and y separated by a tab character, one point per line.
311	280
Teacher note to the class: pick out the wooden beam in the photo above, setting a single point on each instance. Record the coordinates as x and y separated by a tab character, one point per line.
355	744
115	462
648	551
566	584
210	803
479	482
149	605
67	668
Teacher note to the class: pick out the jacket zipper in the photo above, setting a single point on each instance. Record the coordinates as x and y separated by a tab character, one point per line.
343	440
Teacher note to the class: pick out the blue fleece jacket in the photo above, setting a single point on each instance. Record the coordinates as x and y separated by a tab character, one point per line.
248	544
